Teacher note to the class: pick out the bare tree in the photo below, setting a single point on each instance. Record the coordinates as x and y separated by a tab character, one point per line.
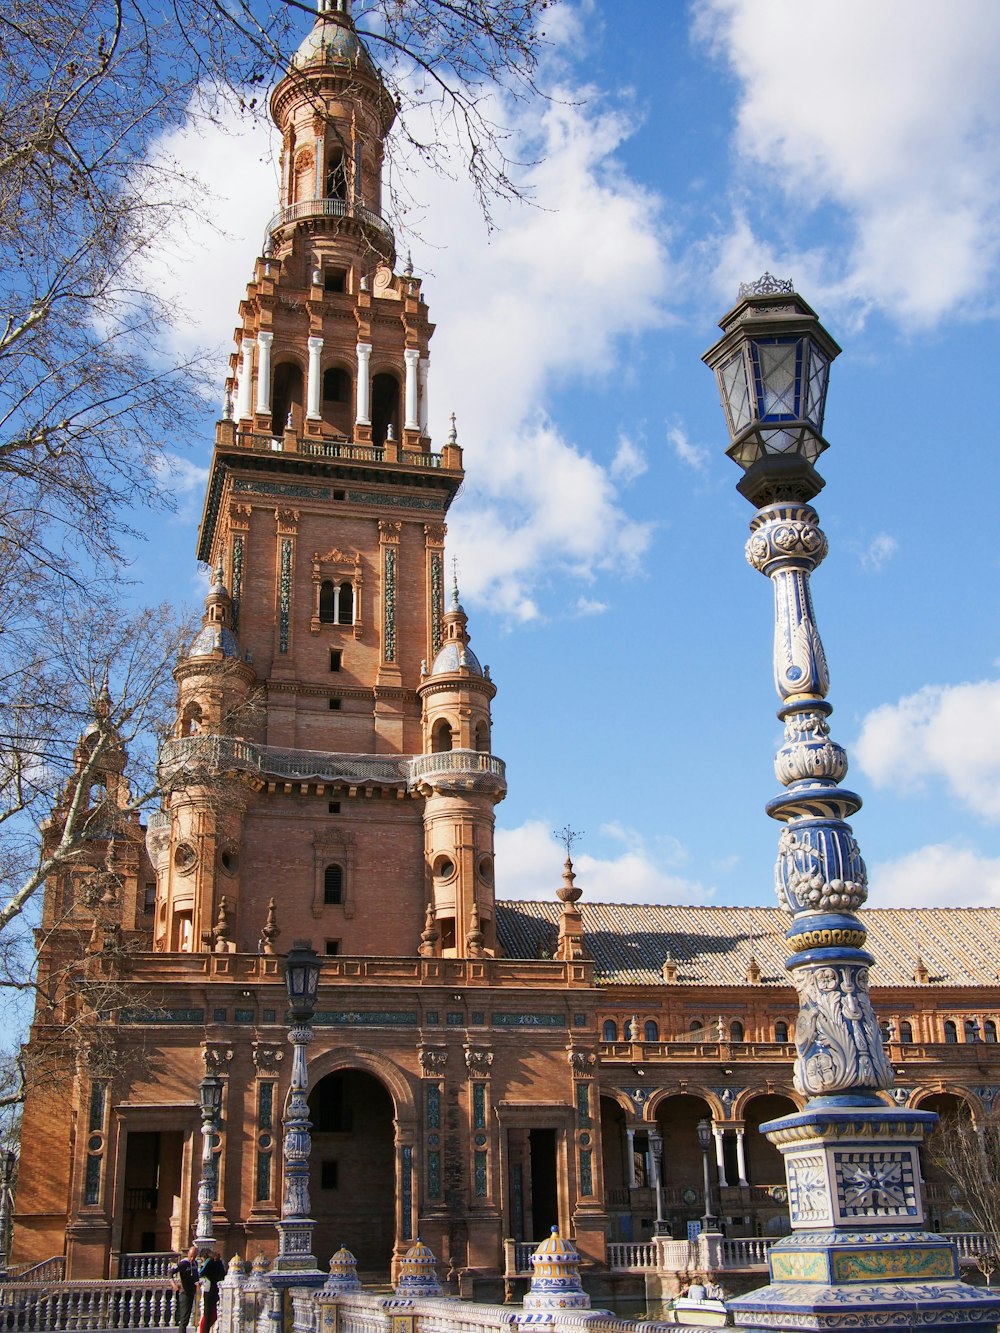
969	1155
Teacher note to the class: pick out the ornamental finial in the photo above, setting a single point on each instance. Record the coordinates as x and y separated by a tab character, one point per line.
767	285
453	431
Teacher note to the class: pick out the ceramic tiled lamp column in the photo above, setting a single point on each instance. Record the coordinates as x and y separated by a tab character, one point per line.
858	1255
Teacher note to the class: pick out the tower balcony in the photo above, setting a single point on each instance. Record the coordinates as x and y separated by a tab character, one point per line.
207	758
336	208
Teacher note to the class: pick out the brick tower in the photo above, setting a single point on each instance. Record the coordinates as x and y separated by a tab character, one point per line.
365	785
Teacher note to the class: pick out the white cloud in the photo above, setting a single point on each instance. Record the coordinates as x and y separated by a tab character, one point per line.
629	461
589	606
945	732
899	129
530	860
183	482
879	552
934	875
690	454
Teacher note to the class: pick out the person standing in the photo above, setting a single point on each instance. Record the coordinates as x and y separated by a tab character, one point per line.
185	1276
213	1270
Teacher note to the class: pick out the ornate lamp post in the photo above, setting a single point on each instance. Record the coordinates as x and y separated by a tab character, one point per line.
655	1140
708	1222
210	1096
857	1256
295	1230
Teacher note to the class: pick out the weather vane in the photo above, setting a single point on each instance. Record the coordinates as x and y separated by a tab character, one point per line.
567	837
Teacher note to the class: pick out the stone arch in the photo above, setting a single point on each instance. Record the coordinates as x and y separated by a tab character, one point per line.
712	1099
748	1095
370	1062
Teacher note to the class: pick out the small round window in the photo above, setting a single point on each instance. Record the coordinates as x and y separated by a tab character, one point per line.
444	867
229	859
185	857
486	869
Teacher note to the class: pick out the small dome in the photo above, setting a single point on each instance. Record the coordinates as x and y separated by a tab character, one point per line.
214	639
455	657
331	42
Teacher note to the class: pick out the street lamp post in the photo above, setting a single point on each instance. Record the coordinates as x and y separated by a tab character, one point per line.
655	1140
708	1222
295	1230
857	1255
210	1098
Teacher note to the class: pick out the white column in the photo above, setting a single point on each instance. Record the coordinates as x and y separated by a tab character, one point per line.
412	420
741	1161
630	1161
364	356
315	378
423	369
720	1159
320	183
264	341
246	380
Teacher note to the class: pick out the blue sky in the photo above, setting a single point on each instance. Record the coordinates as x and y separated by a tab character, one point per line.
851	147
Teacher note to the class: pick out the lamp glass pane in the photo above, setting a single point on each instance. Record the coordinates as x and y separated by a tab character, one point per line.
735	392
296	981
777	373
819	370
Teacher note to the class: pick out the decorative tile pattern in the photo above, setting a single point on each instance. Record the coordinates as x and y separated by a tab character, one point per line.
437	600
98	1098
375	1018
406	1191
427	504
528	1020
583	1105
236	579
92	1179
900	1263
278	488
263	1182
586	1171
284	593
434	1174
875	1184
480	1175
136	1016
479	1105
265	1105
808	1195
389	605
433	1106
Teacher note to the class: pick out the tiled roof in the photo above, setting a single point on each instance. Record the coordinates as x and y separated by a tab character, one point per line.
629	941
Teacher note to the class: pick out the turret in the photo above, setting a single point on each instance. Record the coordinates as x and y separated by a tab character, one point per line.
462	782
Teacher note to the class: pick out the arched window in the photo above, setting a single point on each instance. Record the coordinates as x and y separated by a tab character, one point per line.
696	1027
385	408
336	385
885	1030
610	1030
441	736
736	1030
781	1030
990	1030
286	397
651	1030
327	603
345	604
333	884
950	1032
336	175
906	1031
971	1030
482	737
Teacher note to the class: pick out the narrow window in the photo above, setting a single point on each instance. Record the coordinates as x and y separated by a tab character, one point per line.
950	1032
627	1031
328	609
333	884
334	808
336	176
332	948
328	1175
990	1031
336	386
447	924
781	1030
345	610
652	1030
971	1030
482	737
906	1032
149	905
441	739
610	1031
736	1031
335	280
696	1027
335	704
885	1029
336	656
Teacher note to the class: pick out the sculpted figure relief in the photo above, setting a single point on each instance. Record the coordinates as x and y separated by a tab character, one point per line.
836	1035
